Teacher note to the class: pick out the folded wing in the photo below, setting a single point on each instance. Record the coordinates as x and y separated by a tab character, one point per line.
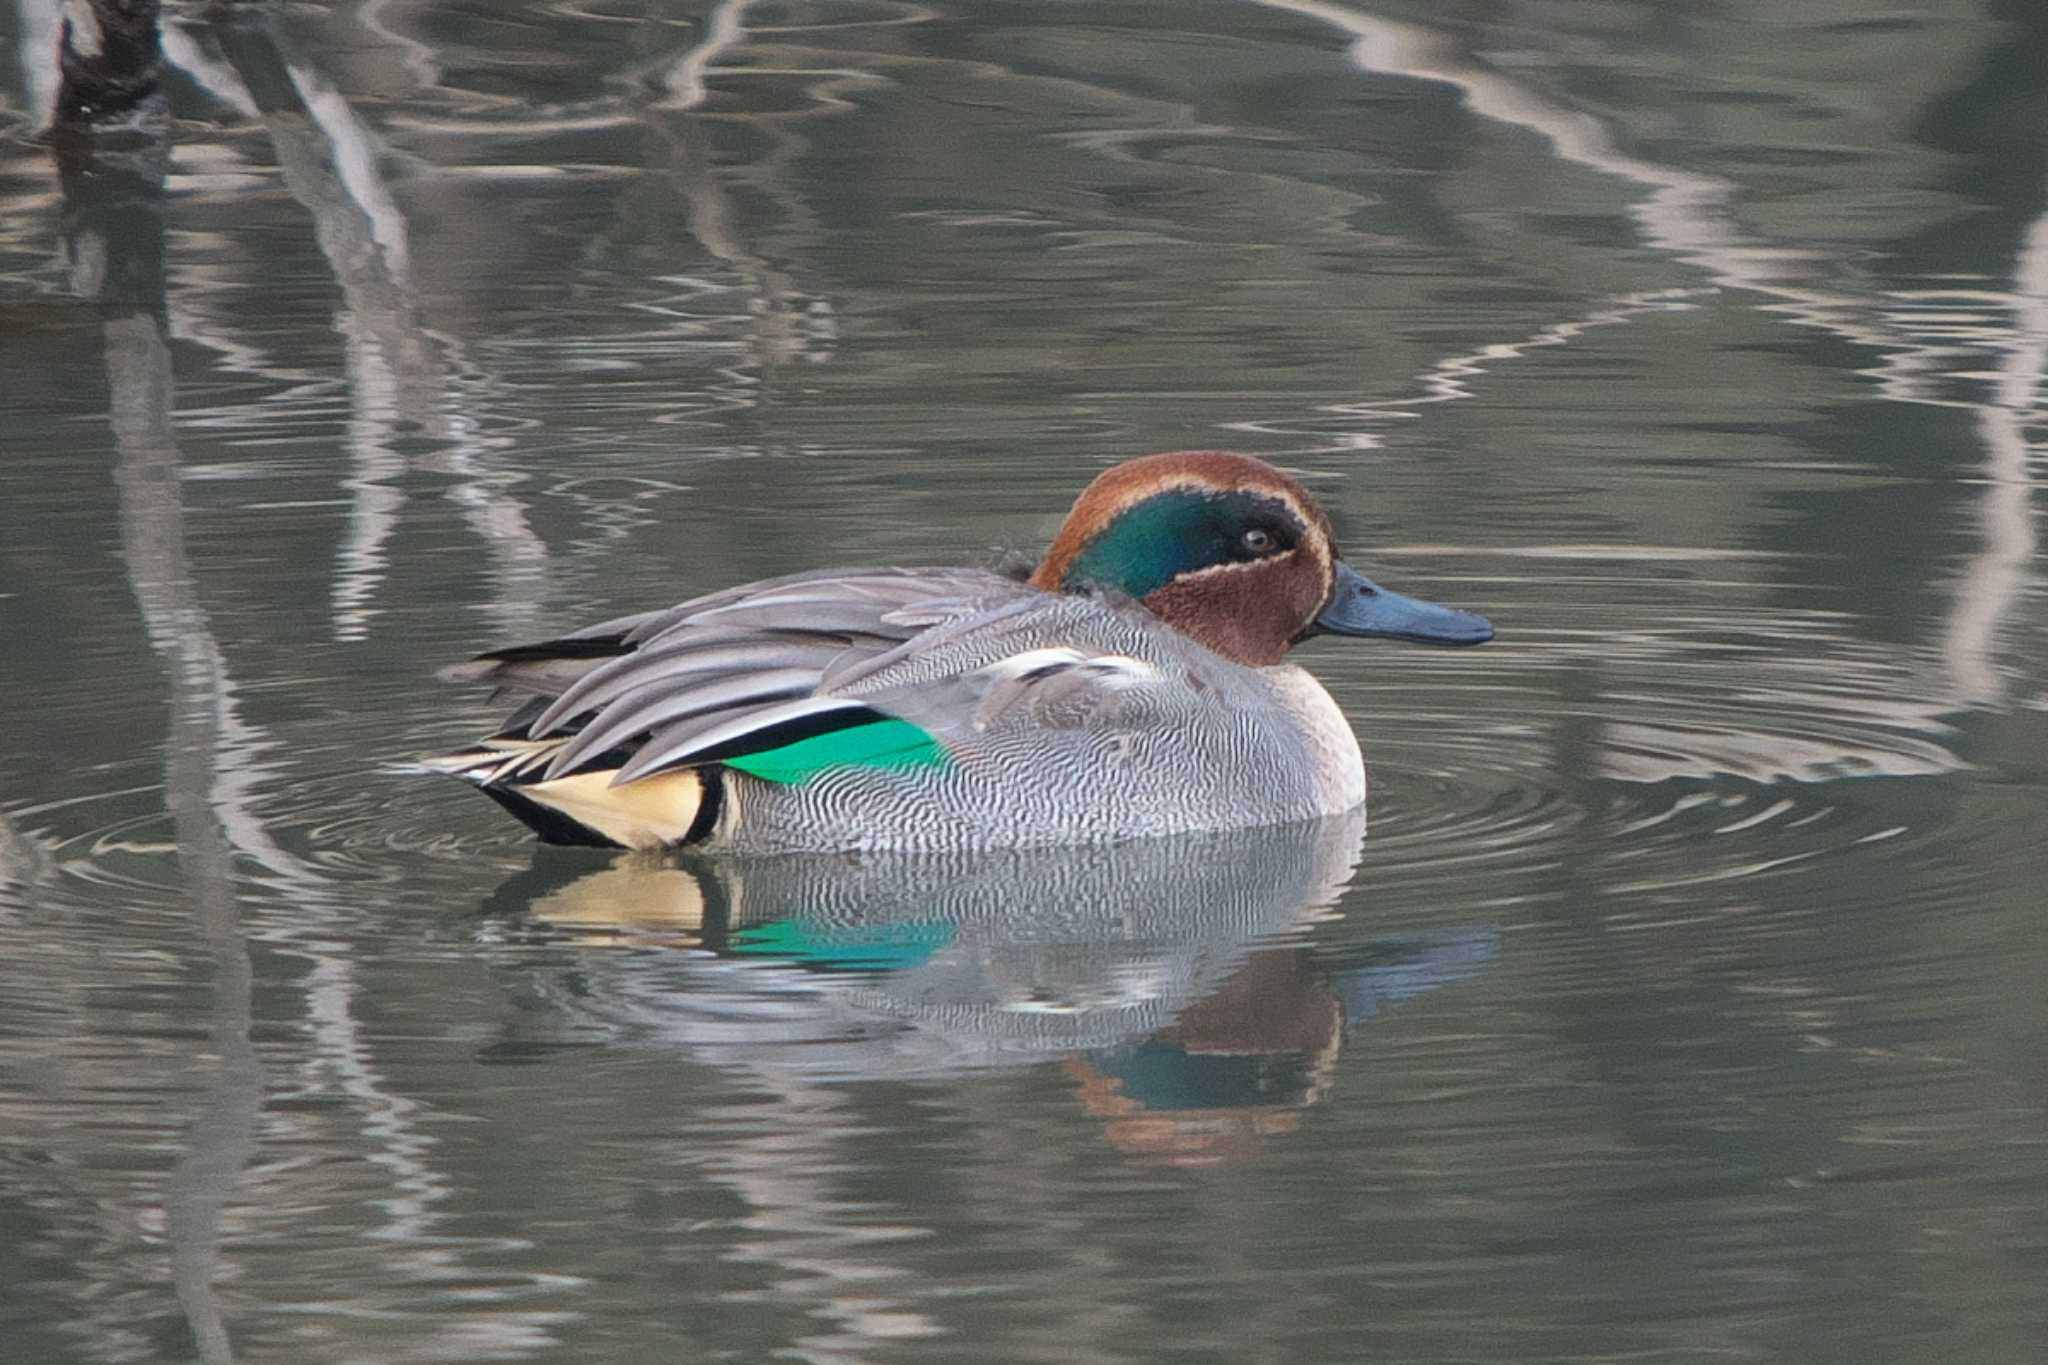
786	678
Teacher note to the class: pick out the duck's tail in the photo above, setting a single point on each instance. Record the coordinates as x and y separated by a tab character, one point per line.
674	806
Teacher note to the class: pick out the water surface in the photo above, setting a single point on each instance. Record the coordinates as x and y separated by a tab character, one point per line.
1678	1001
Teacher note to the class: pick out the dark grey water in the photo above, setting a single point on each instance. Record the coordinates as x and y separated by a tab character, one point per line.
1683	1002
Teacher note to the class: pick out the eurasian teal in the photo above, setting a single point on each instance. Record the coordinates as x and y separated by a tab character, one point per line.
1133	685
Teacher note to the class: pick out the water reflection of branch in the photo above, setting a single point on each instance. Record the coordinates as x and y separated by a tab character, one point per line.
24	859
114	212
787	1167
1446	380
35	39
783	326
1996	577
399	374
724	30
1687	216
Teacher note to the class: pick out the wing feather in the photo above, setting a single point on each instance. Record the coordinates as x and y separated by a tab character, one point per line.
680	661
661	702
700	737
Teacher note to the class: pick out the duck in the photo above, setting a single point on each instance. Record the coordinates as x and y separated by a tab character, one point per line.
1133	684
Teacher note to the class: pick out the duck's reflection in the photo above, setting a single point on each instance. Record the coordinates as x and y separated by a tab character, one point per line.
1151	971
1240	1065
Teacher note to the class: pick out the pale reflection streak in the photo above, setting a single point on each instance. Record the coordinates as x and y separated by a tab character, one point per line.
1999	575
399	374
786	1168
666	96
783	326
420	60
35	45
722	32
213	75
25	860
197	754
1445	381
1686	215
417	1253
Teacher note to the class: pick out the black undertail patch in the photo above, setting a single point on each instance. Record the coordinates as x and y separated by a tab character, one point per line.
551	825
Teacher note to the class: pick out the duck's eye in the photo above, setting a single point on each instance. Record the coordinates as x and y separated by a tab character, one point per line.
1259	542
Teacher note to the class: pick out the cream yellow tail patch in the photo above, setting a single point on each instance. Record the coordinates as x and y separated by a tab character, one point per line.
648	812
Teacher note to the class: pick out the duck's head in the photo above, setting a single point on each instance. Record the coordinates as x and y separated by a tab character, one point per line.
1231	551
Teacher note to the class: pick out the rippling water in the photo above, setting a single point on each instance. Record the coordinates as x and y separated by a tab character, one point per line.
1676	1000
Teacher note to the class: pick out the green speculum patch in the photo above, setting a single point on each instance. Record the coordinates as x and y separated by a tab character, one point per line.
880	744
1153	542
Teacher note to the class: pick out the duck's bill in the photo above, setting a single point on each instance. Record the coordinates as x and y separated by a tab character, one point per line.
1360	606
